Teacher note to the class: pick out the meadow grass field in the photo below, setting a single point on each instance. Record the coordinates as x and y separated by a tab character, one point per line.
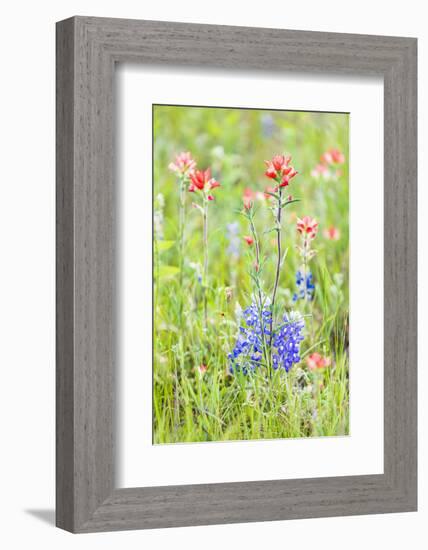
248	343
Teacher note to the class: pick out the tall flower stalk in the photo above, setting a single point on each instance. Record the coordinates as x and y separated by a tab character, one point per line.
205	278
202	183
181	223
278	247
279	170
262	340
255	272
307	227
183	166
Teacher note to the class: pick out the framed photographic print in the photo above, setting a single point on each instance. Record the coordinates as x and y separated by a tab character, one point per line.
236	274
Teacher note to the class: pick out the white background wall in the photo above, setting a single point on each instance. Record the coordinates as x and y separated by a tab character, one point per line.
27	272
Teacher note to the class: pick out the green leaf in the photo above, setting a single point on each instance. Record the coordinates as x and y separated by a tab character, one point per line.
285	203
253	277
272	194
270	230
303	355
198	207
283	257
164	245
168	271
241	213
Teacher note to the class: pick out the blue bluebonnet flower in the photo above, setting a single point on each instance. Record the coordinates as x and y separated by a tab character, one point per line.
286	341
305	287
255	332
248	351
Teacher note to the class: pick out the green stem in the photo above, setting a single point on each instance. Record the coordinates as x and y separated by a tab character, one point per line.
259	289
305	269
307	307
205	278
181	230
278	262
181	250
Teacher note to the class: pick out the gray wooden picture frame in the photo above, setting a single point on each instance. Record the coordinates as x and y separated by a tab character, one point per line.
87	51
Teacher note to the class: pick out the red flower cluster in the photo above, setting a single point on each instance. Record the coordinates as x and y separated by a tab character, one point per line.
333	156
316	361
184	164
307	226
279	169
329	160
201	180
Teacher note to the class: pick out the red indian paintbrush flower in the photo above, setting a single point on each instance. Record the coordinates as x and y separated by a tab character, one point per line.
317	361
183	164
201	180
279	169
307	226
249	240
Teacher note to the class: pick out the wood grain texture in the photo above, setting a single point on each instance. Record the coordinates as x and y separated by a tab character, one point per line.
87	50
64	276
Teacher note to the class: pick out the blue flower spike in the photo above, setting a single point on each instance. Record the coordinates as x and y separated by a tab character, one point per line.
255	332
305	287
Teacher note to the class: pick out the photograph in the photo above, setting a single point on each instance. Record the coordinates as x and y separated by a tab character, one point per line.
250	274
